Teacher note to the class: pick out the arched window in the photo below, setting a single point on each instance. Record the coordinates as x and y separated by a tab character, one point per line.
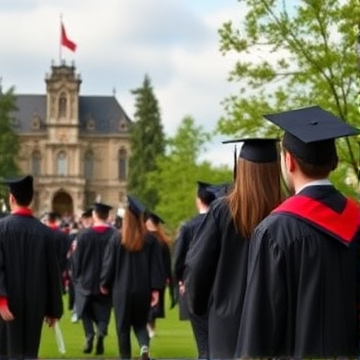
123	159
36	163
62	164
62	105
89	165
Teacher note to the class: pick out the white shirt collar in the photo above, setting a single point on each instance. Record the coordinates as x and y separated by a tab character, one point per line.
321	182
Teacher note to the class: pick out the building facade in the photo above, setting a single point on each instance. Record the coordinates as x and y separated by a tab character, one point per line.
76	147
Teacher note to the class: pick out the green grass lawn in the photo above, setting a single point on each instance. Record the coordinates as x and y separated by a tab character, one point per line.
174	339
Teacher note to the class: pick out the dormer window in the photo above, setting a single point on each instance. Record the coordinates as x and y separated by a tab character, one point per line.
123	126
35	122
90	124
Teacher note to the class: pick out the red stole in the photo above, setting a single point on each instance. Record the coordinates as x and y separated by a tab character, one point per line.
343	225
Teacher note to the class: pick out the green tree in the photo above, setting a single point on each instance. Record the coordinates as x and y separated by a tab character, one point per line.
293	54
178	171
147	142
9	142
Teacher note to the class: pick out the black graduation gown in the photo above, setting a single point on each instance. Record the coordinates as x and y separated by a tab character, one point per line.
63	242
182	245
30	279
215	278
301	296
158	311
131	276
86	266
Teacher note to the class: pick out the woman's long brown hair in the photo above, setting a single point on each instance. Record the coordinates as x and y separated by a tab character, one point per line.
132	231
256	192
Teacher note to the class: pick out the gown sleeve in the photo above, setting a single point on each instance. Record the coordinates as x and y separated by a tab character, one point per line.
157	272
108	264
265	306
180	251
201	263
77	256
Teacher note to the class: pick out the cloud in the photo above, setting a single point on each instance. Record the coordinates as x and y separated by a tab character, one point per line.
174	42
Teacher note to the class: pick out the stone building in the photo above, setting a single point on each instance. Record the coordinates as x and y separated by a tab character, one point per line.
75	146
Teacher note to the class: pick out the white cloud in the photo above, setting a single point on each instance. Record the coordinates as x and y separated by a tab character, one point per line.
175	42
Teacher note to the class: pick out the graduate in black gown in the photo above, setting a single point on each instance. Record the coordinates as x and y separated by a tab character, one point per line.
86	221
216	264
63	242
132	272
30	287
153	224
92	306
199	323
301	298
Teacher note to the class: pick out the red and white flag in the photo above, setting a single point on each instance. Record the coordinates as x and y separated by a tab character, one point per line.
65	41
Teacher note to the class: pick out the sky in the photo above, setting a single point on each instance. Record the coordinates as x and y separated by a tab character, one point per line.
174	42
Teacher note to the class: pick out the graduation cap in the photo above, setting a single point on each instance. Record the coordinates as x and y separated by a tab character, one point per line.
203	192
219	190
101	208
202	185
21	188
154	217
310	133
87	213
135	206
257	150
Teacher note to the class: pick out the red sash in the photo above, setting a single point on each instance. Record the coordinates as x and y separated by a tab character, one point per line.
343	225
100	228
23	212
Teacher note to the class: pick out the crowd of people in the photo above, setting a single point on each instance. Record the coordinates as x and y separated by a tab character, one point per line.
268	268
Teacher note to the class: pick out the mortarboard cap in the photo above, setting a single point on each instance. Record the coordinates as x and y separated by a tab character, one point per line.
258	150
21	188
312	124
135	206
203	192
219	190
310	133
87	213
101	208
154	217
202	185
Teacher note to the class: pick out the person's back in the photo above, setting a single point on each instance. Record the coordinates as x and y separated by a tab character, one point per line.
30	245
29	283
87	258
216	265
132	270
92	306
310	286
303	259
182	245
153	224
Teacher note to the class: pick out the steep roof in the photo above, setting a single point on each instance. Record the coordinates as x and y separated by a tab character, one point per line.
104	113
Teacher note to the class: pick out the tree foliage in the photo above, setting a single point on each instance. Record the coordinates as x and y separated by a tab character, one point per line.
147	143
293	54
178	170
9	142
